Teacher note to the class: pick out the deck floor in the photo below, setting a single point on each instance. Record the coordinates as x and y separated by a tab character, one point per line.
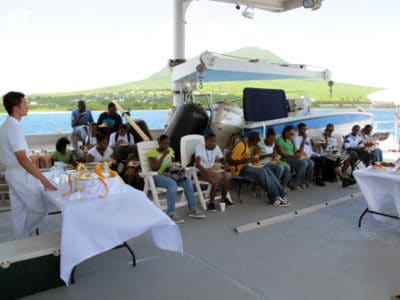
321	255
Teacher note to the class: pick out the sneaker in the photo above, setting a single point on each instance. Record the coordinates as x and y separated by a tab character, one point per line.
348	181
196	214
298	188
320	182
228	202
345	182
177	219
285	201
211	206
280	202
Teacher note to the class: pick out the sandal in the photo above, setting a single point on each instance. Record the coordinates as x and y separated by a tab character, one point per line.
298	188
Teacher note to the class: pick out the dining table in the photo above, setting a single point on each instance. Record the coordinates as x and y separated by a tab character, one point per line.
380	187
93	224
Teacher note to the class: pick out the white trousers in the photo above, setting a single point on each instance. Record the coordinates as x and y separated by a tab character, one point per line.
28	202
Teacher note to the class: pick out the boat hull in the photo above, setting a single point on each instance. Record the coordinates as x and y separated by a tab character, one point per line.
316	123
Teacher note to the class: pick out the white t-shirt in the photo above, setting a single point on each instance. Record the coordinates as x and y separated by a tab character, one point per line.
207	157
98	157
367	138
308	150
12	140
331	143
264	149
120	137
91	140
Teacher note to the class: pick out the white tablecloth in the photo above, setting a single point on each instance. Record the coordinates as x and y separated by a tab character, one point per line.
381	189
92	226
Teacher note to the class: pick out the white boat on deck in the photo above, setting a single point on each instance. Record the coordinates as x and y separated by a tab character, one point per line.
390	97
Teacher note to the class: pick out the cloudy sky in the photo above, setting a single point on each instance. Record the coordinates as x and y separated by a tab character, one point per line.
61	45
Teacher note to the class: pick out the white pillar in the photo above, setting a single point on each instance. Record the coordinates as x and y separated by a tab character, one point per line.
180	7
179	28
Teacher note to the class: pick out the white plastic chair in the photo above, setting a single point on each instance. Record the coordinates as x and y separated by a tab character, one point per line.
143	149
188	148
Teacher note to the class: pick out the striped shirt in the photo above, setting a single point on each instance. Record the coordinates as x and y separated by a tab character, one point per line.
353	141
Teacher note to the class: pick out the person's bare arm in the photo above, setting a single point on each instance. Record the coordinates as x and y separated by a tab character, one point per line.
282	153
77	119
223	161
199	166
301	148
262	156
28	165
89	158
155	164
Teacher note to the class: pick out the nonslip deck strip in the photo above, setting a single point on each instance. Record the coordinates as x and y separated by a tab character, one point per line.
293	214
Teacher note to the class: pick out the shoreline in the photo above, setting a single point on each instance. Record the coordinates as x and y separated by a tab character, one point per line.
145	110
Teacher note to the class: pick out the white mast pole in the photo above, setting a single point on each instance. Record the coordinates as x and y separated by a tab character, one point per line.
180	7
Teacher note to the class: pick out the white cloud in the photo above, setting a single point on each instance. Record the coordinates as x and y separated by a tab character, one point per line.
48	63
19	13
47	56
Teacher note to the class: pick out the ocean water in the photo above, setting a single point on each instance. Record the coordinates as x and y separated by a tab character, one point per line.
53	122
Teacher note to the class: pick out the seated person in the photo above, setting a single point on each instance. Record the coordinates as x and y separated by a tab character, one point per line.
205	158
333	158
160	159
271	159
304	145
370	145
91	139
242	156
121	137
100	153
62	153
304	169
122	142
354	145
80	119
109	121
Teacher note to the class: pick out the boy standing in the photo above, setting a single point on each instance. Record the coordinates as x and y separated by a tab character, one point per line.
25	181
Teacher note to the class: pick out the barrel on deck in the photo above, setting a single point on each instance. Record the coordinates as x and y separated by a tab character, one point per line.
142	125
189	118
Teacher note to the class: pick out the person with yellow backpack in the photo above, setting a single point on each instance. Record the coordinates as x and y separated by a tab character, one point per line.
244	162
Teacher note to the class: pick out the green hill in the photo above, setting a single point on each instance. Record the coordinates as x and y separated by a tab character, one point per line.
153	92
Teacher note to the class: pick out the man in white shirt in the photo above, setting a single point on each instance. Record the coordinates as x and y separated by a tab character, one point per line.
336	162
370	144
205	157
26	183
303	144
354	145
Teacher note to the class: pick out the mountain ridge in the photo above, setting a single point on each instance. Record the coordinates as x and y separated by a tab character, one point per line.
153	92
